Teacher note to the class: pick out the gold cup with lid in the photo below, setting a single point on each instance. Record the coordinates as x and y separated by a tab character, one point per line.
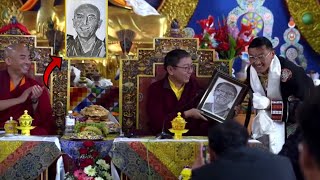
25	122
178	126
10	127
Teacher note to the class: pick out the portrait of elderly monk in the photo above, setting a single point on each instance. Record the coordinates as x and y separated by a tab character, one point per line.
223	95
86	21
19	92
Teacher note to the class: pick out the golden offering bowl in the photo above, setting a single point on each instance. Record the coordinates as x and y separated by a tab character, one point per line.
178	127
178	133
178	123
25	130
10	127
25	120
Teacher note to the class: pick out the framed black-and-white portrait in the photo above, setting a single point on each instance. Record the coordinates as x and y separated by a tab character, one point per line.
222	95
86	28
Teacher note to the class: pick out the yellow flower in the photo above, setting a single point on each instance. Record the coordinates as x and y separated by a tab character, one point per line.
185	174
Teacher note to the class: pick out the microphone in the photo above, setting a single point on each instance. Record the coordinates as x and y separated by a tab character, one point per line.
163	134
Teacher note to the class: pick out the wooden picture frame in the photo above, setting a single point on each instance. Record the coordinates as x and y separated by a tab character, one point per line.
222	95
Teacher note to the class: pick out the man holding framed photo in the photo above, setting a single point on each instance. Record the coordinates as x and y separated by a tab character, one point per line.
272	80
177	92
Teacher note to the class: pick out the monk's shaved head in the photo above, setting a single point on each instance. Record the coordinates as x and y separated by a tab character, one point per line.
88	6
13	48
17	58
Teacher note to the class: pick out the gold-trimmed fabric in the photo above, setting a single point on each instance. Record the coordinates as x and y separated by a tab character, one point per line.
149	158
26	159
7	148
156	159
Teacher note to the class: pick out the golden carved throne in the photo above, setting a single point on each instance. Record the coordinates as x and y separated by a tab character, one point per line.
41	58
137	74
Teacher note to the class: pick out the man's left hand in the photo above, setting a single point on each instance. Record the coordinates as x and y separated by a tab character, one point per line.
237	110
36	91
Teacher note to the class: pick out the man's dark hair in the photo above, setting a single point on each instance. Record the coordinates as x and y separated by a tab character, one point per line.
173	57
227	136
260	42
309	121
232	87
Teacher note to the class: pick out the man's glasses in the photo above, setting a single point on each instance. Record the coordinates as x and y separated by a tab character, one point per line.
186	68
260	57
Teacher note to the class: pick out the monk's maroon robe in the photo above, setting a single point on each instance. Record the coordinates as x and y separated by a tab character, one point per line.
43	119
163	106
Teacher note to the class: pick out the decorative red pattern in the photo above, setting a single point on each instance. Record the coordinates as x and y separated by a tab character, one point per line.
22	28
154	162
19	153
77	95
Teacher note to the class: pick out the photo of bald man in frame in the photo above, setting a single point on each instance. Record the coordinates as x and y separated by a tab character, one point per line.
86	28
222	95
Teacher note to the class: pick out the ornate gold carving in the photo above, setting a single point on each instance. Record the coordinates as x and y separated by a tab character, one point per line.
6	40
310	28
60	86
42	57
132	69
48	11
119	19
182	10
9	8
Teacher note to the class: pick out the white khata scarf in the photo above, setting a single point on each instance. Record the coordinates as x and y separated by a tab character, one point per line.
262	123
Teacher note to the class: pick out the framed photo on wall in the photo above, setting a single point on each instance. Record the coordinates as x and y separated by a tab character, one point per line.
222	95
86	28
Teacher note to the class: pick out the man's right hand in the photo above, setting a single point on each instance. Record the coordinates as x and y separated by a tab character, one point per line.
200	161
194	113
7	103
24	96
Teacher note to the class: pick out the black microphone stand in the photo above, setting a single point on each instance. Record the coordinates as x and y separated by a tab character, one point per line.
164	135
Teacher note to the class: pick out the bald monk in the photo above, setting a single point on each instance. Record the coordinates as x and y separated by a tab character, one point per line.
18	92
86	22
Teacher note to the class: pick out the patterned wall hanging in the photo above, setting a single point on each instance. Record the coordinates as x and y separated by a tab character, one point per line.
292	49
252	12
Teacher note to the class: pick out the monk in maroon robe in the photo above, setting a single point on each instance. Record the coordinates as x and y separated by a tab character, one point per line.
18	92
177	92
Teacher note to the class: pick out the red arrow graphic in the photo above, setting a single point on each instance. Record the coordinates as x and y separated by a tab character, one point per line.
56	62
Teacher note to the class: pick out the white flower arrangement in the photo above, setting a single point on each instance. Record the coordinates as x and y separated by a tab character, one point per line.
90	167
